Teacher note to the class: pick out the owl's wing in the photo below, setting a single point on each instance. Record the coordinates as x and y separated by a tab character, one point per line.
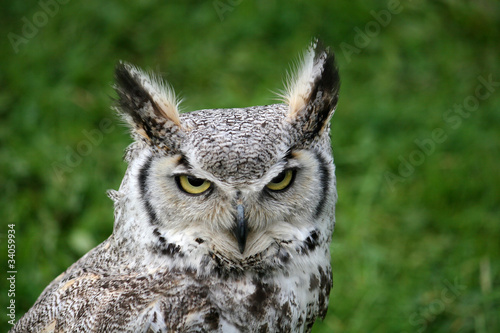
87	298
99	303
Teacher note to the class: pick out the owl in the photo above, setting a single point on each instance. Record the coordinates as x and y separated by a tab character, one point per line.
223	220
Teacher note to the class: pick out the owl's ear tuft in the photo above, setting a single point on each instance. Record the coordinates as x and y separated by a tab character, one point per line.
147	103
312	91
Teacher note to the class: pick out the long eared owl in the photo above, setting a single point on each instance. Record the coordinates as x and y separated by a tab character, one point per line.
223	220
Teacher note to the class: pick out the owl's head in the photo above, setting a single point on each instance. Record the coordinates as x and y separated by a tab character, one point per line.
235	184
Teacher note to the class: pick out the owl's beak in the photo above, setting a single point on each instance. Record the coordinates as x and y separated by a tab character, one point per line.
241	227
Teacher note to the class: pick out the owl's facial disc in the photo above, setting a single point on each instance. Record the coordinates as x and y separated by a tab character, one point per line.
236	220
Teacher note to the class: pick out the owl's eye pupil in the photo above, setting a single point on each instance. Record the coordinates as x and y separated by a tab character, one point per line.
192	185
196	182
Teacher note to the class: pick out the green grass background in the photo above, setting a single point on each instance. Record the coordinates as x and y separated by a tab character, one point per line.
417	244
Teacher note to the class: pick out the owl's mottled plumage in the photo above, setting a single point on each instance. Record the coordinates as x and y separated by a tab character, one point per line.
222	222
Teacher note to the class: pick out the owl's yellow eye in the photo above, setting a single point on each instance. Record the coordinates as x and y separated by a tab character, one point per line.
192	185
282	181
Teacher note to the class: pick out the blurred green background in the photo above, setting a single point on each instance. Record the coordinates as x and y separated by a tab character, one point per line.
416	137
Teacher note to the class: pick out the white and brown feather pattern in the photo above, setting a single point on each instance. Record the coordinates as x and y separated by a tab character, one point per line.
248	253
176	301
